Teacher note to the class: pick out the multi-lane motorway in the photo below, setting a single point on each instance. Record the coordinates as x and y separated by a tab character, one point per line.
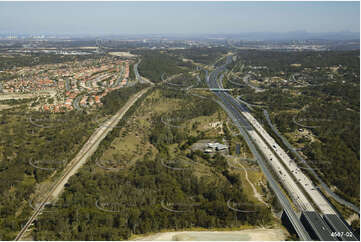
244	127
295	174
304	162
304	195
260	137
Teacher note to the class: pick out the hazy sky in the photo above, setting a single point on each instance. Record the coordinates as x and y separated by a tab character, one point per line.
177	17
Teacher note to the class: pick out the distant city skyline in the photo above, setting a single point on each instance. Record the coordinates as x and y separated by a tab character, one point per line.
114	18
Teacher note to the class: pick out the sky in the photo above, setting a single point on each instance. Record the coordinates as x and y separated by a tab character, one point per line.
177	17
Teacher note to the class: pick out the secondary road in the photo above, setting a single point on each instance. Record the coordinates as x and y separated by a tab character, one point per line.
138	77
85	152
76	102
246	80
120	78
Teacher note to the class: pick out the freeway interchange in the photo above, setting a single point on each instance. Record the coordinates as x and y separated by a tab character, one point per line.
274	162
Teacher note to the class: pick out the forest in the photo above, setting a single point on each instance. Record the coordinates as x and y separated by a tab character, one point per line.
155	63
281	60
202	55
148	196
30	140
135	204
21	60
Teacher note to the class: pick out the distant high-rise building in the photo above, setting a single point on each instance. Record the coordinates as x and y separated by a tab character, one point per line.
98	44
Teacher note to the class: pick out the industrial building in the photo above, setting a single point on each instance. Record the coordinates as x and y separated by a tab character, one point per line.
217	146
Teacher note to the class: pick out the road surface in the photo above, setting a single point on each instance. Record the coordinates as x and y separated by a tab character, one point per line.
243	127
323	185
138	77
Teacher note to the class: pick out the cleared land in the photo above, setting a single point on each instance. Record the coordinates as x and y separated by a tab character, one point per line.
243	235
17	96
122	54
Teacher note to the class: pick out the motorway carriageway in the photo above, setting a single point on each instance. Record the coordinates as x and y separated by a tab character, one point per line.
293	178
306	182
243	125
301	178
290	185
323	185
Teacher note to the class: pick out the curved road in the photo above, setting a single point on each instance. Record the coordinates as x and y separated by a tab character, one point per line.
138	76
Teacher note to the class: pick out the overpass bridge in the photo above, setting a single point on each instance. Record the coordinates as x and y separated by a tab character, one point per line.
215	89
